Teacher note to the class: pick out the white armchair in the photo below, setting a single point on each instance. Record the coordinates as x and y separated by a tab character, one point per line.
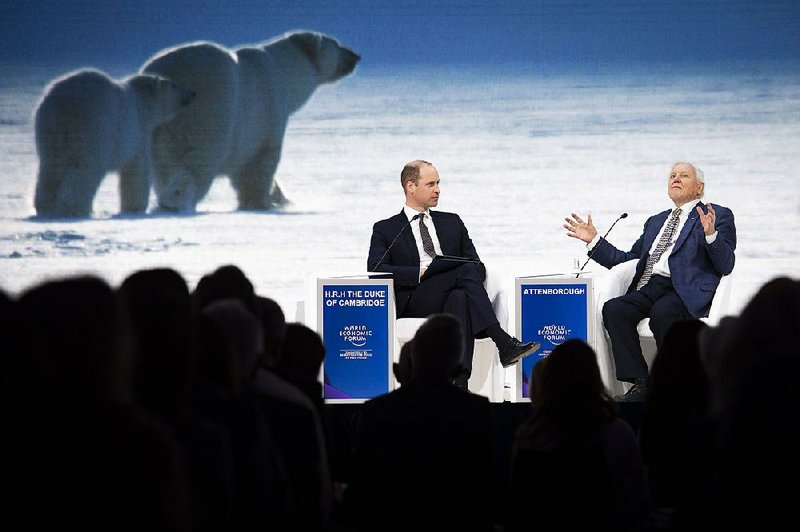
487	376
615	284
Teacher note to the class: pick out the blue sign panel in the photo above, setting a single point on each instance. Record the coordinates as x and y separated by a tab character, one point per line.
355	330
551	314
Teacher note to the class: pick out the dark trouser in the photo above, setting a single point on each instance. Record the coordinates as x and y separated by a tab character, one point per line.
459	292
656	300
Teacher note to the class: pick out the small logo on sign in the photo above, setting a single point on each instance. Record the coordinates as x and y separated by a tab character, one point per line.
555	334
356	334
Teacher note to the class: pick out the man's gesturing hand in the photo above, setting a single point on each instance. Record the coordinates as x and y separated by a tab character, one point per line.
577	228
707	219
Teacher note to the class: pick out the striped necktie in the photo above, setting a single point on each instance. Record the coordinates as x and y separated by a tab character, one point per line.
427	241
663	243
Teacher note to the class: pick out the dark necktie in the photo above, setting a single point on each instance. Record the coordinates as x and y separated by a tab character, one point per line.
427	241
663	242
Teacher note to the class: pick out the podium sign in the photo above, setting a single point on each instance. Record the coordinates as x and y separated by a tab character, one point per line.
355	318
551	310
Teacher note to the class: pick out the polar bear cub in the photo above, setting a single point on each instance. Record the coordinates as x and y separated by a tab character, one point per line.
236	126
86	125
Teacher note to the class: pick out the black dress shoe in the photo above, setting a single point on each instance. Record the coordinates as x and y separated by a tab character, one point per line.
636	394
514	351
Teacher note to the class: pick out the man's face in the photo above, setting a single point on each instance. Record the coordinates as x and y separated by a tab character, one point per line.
683	185
423	194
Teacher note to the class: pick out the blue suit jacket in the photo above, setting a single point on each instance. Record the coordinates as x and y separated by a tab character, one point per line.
695	266
402	260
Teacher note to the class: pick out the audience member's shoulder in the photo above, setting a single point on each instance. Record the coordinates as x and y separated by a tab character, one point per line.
467	399
386	398
446	400
270	384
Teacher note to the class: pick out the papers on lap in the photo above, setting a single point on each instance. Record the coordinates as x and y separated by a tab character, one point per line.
443	263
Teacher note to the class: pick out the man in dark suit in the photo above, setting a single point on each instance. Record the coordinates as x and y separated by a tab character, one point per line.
683	253
406	249
424	453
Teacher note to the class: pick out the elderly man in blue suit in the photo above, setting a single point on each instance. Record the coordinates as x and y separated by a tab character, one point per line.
683	252
405	245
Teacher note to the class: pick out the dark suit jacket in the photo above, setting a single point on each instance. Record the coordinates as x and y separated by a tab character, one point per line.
424	459
403	258
695	266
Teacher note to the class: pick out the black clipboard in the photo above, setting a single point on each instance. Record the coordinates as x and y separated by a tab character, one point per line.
444	263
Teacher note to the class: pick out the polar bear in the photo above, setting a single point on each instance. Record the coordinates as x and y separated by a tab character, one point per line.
237	123
88	124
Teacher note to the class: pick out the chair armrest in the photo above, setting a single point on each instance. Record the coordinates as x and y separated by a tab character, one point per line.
722	297
497	295
620	277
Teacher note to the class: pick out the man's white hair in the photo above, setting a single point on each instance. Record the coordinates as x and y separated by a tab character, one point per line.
700	175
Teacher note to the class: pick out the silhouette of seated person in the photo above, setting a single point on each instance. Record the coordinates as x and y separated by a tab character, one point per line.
424	452
755	399
164	339
574	464
675	431
86	457
294	415
232	343
300	361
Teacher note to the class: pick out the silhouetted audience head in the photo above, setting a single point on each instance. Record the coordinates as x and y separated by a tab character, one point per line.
574	464
756	399
760	350
242	332
438	344
273	323
303	352
402	368
571	399
72	333
225	282
162	325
